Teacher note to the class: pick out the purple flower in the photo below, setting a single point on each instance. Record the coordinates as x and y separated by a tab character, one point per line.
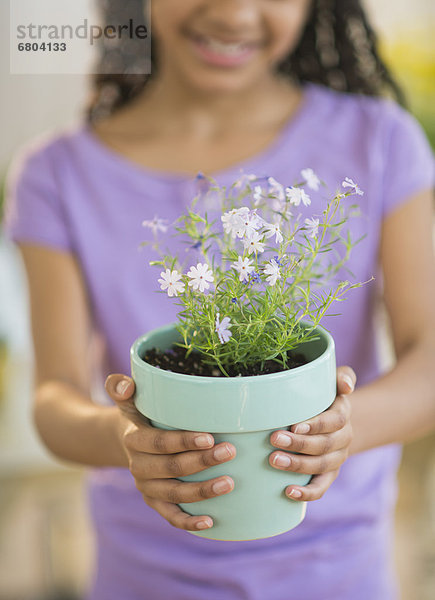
198	243
223	329
202	184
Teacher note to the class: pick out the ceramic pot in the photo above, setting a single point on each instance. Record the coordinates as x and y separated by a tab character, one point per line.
243	411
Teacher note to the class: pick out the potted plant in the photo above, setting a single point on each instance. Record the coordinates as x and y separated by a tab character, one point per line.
247	355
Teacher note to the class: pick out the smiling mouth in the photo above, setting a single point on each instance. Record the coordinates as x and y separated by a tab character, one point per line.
223	53
227	48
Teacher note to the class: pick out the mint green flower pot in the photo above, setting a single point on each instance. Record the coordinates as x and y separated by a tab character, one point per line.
243	411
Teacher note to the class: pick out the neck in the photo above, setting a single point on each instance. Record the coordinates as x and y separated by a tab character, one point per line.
206	112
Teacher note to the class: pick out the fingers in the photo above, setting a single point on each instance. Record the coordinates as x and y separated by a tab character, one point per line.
337	415
156	456
346	380
312	444
119	386
142	466
164	495
313	490
310	465
176	492
147	438
334	418
161	441
121	389
318	446
178	518
323	448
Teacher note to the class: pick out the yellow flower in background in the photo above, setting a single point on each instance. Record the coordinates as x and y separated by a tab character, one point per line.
411	55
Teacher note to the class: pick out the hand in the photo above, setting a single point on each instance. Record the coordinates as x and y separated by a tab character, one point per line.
323	443
156	458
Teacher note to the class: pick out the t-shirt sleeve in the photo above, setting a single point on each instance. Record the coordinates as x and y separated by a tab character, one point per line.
410	163
33	209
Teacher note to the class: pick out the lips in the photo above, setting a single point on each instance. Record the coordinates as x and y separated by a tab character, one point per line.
228	49
223	53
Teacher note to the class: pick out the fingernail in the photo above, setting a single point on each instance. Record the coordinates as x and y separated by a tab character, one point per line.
302	428
203	525
122	386
295	493
219	487
203	441
222	453
281	460
283	439
347	379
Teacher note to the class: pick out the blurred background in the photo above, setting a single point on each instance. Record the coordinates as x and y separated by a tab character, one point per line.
45	540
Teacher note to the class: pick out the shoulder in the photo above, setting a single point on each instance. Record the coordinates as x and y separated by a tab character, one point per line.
365	116
34	209
45	154
375	135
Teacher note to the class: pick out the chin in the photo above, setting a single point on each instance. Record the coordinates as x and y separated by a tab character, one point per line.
205	82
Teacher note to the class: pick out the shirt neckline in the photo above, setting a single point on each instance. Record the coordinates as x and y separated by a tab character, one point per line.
256	162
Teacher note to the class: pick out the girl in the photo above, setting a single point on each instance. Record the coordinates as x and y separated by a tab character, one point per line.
266	87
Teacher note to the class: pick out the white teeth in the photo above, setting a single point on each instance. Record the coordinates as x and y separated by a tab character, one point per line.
223	48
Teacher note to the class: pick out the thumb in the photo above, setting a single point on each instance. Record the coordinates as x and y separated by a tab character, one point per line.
346	380
121	389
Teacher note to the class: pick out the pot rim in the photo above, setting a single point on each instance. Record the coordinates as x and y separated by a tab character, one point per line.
296	371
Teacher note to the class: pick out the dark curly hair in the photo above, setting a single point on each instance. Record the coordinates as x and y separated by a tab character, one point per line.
338	48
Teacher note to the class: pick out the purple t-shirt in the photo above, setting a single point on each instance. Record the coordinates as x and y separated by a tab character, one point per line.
74	194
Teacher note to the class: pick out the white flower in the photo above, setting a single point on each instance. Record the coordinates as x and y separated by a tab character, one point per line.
231	220
272	270
273	229
276	189
248	223
351	184
253	243
311	179
244	180
313	227
170	281
257	220
201	276
222	329
243	267
156	225
297	195
257	194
